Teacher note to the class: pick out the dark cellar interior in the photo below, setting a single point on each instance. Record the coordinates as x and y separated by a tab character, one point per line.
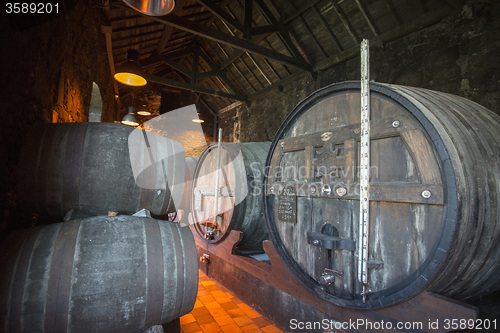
272	84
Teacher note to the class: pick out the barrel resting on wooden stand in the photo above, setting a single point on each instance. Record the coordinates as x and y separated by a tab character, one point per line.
227	194
434	233
273	290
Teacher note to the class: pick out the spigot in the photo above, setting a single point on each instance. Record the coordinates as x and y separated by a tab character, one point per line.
328	277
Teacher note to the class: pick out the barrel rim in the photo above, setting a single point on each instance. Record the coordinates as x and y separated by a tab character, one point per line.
430	268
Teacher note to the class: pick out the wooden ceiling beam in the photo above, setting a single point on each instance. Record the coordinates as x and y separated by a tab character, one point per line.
197	52
218	72
282	31
188	86
235	79
141	35
345	21
367	16
313	37
247	20
287	40
221	14
167	31
392	10
135	27
131	45
220	37
328	29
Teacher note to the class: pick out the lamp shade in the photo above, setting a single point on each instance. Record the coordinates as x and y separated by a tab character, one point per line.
152	7
130	118
143	111
130	72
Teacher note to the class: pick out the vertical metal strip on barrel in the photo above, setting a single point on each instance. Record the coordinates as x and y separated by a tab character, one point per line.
364	181
177	248
154	259
59	287
18	282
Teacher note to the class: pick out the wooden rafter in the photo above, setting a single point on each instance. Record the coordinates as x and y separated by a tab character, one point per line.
193	73
328	29
282	22
200	89
392	10
247	47
247	21
221	14
367	16
282	31
345	21
220	37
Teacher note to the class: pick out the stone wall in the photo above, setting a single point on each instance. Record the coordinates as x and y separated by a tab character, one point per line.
48	65
458	55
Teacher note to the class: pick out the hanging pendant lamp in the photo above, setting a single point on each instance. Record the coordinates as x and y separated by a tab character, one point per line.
143	111
130	72
130	118
152	7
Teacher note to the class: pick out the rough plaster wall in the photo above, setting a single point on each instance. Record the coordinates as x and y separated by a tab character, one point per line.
458	55
47	67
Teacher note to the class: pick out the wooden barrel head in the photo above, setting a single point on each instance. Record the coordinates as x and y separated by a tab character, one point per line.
312	196
207	216
238	205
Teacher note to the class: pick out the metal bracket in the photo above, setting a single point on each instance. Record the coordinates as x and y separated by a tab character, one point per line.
375	264
330	242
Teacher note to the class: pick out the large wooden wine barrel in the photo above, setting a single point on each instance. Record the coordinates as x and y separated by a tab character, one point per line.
100	274
434	220
88	167
239	201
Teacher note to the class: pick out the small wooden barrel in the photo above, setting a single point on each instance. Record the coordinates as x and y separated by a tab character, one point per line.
87	167
239	203
100	274
434	199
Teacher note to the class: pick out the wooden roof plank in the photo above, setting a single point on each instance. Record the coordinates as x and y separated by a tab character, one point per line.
328	29
221	14
345	21
392	10
218	36
366	14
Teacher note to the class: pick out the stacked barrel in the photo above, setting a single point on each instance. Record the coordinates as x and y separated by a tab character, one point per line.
434	209
118	273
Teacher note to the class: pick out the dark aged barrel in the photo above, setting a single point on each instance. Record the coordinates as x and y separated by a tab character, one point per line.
434	210
240	204
88	167
100	274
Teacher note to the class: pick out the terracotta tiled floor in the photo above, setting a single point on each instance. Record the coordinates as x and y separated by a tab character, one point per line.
218	310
